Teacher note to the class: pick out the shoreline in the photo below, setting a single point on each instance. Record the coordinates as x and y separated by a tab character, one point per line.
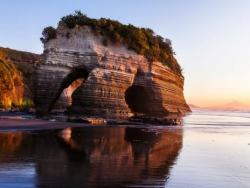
21	121
7	124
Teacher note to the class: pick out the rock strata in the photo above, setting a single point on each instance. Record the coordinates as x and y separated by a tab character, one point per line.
114	81
16	77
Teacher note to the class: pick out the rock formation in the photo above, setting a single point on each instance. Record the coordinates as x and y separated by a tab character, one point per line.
16	73
116	82
83	73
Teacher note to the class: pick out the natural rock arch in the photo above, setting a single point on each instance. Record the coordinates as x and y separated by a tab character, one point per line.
110	71
71	82
144	97
138	99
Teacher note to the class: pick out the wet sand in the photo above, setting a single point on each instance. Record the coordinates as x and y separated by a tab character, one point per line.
34	124
210	150
216	151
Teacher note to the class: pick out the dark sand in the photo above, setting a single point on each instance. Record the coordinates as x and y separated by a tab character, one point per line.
210	150
34	124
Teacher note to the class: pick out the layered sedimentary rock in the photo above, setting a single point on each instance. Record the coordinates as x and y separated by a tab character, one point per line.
114	81
11	85
16	74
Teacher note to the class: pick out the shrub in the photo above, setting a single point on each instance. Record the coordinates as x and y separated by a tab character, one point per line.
141	40
26	105
48	34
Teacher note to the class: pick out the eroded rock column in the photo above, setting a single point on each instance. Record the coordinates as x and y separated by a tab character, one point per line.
103	94
48	82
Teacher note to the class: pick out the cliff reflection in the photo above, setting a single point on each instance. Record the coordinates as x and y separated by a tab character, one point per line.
99	157
9	143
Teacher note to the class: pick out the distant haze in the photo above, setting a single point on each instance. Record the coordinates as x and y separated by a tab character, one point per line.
211	38
233	105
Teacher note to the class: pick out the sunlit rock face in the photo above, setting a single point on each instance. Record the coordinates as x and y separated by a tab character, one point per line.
11	85
16	77
117	82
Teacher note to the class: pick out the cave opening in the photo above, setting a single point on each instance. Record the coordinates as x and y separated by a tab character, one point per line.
74	80
138	99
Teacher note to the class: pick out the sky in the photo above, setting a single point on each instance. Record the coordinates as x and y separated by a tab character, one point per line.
211	38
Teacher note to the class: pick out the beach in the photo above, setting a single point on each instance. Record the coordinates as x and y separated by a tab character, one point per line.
210	149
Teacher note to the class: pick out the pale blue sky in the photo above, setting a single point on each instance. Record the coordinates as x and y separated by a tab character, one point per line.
211	38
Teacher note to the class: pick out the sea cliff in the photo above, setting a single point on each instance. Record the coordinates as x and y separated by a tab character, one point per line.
83	71
16	73
115	82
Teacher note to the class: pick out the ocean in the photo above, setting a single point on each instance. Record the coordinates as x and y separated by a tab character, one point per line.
211	149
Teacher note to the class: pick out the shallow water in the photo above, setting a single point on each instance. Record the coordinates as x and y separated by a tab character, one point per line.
211	149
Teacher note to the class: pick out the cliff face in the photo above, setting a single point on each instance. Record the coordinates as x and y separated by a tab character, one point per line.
11	85
112	81
16	74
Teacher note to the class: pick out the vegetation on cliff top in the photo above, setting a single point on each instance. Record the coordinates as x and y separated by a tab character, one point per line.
141	40
18	56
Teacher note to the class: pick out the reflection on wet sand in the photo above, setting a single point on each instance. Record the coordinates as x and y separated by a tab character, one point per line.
99	157
9	143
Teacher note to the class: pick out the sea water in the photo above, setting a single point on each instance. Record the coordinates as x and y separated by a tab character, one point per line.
210	149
